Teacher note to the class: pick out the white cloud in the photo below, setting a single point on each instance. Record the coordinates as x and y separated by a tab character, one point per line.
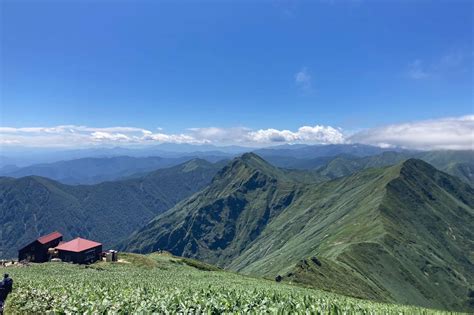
305	134
7	141
321	134
445	133
219	134
303	80
455	133
172	138
73	136
101	135
272	135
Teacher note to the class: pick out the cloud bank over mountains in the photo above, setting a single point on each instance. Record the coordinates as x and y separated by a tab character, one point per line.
445	133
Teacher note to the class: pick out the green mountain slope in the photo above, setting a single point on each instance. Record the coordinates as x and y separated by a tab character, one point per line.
401	233
219	223
406	231
106	212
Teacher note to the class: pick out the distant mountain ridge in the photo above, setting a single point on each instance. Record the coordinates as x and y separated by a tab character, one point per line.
456	163
336	164
22	157
106	212
26	156
316	151
92	166
401	233
96	170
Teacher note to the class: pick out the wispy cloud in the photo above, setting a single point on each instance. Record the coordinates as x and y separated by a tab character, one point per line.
288	8
303	80
416	70
449	63
445	133
452	60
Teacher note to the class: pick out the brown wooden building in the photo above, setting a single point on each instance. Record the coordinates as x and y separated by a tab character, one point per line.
37	251
80	251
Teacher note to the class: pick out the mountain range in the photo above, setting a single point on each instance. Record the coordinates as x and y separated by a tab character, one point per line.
94	165
329	162
32	206
456	163
393	226
402	233
22	157
96	170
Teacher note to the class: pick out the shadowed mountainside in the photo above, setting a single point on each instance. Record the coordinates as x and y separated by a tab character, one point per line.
107	212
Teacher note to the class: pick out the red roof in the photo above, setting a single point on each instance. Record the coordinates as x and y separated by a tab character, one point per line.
50	237
78	245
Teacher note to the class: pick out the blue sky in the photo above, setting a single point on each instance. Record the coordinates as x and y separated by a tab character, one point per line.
280	65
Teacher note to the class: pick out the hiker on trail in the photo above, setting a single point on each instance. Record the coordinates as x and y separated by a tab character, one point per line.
6	287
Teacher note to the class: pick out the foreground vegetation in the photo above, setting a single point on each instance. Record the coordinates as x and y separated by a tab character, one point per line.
166	284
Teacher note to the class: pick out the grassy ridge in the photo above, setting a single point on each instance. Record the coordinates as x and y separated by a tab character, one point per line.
402	233
167	284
